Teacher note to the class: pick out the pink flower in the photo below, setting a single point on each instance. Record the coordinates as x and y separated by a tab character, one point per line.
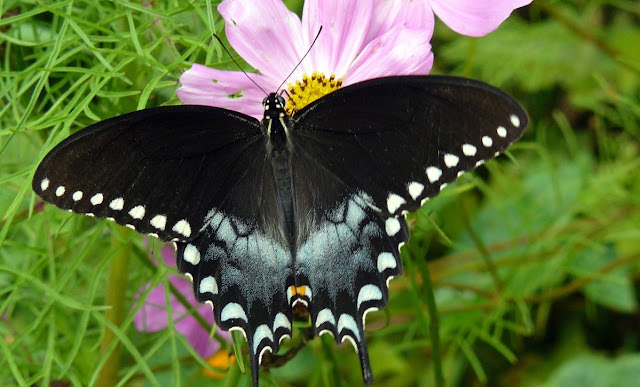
273	39
467	17
153	316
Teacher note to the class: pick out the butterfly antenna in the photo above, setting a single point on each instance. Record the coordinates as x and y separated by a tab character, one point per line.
237	64
304	56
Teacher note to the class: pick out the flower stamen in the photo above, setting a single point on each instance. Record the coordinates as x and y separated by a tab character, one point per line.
309	89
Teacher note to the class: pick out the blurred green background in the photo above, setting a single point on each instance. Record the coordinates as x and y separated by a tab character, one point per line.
533	259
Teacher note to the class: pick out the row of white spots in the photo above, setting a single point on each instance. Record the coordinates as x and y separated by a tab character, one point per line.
159	221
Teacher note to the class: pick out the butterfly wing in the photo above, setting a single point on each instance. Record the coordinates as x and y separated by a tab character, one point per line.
157	170
366	154
344	256
400	139
198	176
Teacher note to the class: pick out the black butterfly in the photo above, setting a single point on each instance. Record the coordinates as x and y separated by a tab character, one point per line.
306	208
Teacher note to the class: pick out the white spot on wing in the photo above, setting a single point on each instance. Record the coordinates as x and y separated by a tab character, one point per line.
469	150
433	174
369	293
392	226
265	349
209	285
191	254
325	315
233	311
502	132
394	202
347	322
451	160
60	191
97	199
386	261
77	195
159	222
137	212
515	120
415	189
182	227
364	315
281	321
44	184
289	294
117	204
307	292
352	341
262	332
487	141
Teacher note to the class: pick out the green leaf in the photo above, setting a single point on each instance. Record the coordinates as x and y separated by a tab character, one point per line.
238	342
613	289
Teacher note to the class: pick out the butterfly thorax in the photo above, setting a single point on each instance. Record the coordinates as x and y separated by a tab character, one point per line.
275	126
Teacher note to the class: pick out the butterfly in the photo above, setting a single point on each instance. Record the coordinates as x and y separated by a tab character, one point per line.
306	208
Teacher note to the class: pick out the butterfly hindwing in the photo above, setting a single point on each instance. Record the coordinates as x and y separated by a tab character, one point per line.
241	260
402	139
344	255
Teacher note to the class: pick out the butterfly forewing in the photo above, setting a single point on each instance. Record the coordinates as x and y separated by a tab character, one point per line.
402	139
158	170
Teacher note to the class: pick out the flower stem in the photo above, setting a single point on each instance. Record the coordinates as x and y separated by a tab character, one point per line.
434	327
115	297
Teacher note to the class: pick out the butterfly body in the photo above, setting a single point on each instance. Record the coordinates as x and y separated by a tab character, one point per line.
292	209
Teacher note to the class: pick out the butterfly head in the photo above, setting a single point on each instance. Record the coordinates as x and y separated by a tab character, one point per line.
273	107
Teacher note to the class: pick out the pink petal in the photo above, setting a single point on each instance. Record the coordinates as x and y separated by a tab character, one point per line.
152	317
265	33
231	90
196	335
168	255
400	13
344	28
475	17
401	51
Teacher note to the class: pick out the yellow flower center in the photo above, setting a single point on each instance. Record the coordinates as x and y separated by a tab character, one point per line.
309	89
